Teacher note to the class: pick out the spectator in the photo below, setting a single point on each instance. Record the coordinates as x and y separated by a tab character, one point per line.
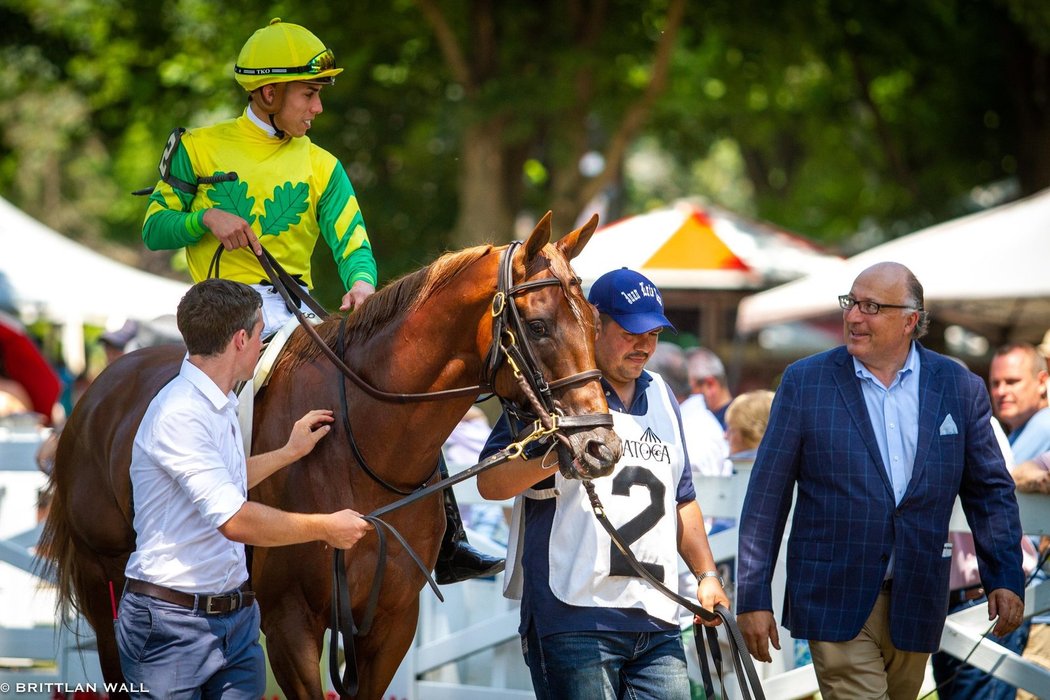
117	342
1033	476
462	450
1017	379
707	376
28	384
704	436
957	680
879	436
746	420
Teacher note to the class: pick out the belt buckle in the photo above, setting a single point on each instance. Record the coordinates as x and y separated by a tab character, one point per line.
216	600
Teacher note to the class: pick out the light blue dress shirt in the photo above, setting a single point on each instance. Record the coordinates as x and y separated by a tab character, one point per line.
894	415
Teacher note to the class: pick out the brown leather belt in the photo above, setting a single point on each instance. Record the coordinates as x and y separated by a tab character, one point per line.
962	595
202	602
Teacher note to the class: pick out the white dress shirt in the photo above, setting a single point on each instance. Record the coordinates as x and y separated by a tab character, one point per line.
189	476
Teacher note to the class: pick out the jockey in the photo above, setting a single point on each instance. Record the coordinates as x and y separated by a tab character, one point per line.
264	180
282	188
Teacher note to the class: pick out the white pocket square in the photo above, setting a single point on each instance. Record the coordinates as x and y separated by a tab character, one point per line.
948	426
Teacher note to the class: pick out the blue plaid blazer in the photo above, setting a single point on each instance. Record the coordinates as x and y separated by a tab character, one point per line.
846	524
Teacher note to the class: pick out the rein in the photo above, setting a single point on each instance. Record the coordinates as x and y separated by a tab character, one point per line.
742	663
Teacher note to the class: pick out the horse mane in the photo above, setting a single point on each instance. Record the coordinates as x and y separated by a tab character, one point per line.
387	305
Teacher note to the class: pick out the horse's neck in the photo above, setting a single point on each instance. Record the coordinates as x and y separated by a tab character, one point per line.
434	348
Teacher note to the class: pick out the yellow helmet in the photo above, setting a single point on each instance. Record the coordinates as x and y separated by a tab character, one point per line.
281	53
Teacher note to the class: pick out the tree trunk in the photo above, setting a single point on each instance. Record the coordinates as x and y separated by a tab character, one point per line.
485	214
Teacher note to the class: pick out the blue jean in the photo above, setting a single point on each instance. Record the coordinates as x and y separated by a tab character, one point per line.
173	652
607	665
965	682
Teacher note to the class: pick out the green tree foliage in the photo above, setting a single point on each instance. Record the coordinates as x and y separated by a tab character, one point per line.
455	118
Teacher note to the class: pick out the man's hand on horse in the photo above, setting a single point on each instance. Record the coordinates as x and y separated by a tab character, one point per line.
308	431
759	629
231	230
360	291
345	528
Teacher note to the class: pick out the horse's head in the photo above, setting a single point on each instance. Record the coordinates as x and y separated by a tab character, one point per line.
545	330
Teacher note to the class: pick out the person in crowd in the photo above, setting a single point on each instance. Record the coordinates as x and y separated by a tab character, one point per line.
462	450
704	436
707	375
1033	476
1011	381
879	436
186	619
591	627
746	420
119	341
286	190
28	383
1017	380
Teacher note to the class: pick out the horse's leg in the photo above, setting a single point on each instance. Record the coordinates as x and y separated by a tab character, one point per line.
93	577
385	647
293	645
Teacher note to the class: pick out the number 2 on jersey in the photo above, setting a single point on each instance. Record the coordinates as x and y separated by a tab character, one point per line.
635	528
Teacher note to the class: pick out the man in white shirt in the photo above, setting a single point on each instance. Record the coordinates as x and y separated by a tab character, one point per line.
186	623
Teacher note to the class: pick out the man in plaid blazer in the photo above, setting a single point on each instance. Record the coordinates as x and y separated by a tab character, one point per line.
878	436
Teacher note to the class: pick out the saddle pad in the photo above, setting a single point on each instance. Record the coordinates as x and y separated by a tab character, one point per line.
246	395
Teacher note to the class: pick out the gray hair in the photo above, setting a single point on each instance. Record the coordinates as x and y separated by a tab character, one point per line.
922	326
703	363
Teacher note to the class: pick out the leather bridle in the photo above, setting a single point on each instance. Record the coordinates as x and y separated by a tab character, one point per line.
509	344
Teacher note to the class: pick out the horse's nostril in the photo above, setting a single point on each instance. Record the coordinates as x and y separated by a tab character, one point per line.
599	451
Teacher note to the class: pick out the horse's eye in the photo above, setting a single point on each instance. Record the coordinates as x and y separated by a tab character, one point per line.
538	328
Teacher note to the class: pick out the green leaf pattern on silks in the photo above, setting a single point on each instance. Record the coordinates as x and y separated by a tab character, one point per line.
282	212
233	197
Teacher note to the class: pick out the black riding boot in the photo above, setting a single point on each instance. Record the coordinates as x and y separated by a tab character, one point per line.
457	560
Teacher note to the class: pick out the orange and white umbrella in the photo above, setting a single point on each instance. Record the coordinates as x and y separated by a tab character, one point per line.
689	246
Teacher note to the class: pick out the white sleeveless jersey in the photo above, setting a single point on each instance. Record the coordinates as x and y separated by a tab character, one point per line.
640	499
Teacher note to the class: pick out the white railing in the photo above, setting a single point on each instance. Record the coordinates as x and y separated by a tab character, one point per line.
468	647
37	657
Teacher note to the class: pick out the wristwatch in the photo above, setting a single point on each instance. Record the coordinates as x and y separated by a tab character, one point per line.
710	574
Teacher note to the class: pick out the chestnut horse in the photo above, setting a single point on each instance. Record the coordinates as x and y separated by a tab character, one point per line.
429	331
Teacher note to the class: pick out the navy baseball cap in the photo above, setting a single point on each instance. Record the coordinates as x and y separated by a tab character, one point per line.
631	300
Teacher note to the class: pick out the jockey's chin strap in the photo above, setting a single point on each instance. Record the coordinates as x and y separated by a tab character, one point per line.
742	663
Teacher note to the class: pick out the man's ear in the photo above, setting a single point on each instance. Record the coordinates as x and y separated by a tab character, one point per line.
266	95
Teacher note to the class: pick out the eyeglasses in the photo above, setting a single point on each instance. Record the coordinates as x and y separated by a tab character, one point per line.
870	308
318	64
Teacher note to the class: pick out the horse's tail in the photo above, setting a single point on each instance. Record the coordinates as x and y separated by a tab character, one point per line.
56	559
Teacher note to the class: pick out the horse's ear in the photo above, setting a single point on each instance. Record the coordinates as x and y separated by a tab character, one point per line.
540	236
571	245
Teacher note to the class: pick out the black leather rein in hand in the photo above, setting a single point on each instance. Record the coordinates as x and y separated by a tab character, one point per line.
745	668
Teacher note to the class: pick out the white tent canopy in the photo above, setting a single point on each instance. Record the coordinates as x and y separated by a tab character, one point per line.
989	272
45	273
